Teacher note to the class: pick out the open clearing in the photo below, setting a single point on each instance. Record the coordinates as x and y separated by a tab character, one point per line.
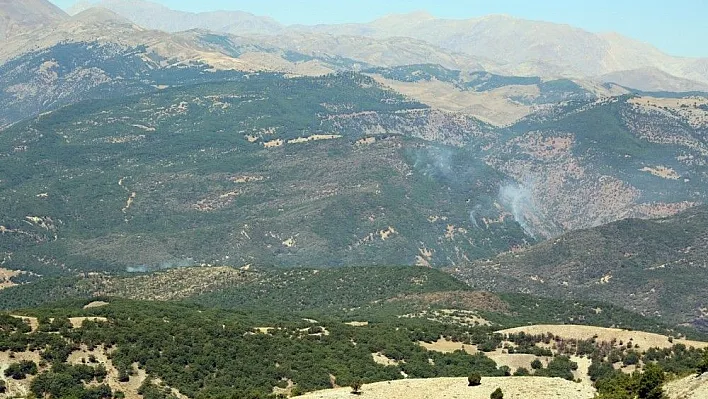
643	339
691	387
449	388
512	360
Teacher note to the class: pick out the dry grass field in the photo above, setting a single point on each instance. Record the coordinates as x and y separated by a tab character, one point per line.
449	388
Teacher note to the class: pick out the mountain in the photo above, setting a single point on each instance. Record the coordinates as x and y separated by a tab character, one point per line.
100	54
655	267
337	170
94	54
263	169
581	164
20	16
156	16
653	80
526	47
504	44
496	99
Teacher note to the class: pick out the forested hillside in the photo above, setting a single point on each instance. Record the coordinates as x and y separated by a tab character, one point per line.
655	267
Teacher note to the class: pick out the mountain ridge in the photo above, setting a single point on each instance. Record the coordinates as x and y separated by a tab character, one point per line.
518	46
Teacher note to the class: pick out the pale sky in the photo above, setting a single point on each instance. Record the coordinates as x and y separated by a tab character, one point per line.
676	27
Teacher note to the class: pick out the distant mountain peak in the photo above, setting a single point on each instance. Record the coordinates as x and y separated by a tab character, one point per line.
100	15
156	16
407	18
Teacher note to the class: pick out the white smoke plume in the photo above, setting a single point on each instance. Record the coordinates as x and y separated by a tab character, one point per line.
518	199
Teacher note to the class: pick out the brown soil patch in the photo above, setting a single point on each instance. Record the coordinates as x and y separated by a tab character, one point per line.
384	360
643	339
494	106
516	360
445	346
449	388
662	171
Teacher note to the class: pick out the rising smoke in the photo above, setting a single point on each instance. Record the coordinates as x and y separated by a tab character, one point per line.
435	162
165	265
518	199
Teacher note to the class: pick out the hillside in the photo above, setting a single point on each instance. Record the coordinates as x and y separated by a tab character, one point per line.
98	54
325	171
328	171
99	346
375	294
581	164
496	99
651	266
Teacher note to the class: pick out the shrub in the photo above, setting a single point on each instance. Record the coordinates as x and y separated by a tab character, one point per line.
19	371
651	382
631	358
498	394
474	380
703	366
536	364
356	387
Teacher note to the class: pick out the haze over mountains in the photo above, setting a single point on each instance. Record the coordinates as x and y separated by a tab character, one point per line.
515	46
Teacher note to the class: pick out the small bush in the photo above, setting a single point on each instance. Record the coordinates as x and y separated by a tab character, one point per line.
498	394
356	387
474	380
536	364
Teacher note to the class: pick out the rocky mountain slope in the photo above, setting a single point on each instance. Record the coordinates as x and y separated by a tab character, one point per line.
652	266
99	54
583	164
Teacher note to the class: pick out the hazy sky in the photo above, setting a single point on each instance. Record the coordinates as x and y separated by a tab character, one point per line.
677	27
